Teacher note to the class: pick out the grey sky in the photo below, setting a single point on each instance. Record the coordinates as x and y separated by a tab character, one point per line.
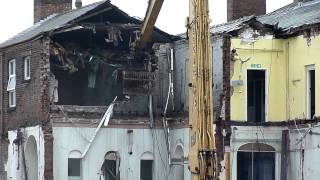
17	15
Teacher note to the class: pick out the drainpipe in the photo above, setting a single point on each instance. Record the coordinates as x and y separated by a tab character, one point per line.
1	96
1	109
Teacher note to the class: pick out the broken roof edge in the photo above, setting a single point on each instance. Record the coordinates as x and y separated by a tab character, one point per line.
283	22
59	21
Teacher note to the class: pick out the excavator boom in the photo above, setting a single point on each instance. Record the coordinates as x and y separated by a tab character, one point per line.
148	23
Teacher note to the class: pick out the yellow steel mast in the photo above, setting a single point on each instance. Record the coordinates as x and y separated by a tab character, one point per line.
202	156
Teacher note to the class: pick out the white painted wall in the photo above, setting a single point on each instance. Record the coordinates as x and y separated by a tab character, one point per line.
15	159
67	139
307	166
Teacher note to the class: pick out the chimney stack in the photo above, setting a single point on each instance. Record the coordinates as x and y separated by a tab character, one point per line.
241	8
45	8
295	1
78	4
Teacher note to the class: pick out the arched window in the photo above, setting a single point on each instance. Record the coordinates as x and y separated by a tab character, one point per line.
74	165
146	166
111	166
256	161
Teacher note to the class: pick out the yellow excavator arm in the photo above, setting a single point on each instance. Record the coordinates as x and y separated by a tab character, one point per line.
202	155
149	21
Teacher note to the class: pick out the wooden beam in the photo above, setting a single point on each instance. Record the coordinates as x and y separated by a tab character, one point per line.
284	154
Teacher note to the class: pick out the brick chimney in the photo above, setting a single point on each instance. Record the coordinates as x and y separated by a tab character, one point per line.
45	8
295	1
240	8
78	4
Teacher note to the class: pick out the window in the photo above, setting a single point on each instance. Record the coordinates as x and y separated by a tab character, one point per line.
74	166
256	107
146	166
27	68
11	88
311	89
111	166
73	169
256	161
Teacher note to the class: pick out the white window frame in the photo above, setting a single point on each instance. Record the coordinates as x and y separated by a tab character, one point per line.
27	70
11	87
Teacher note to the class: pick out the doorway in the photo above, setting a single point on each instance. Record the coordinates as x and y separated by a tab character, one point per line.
256	100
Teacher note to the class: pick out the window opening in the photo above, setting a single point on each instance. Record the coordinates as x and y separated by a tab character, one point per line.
11	87
27	68
74	168
146	166
312	88
111	166
146	169
256	161
256	108
74	165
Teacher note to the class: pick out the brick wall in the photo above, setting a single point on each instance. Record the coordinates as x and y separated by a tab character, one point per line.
32	97
29	110
44	8
240	8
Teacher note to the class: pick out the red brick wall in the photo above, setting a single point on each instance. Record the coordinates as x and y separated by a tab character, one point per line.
45	8
240	8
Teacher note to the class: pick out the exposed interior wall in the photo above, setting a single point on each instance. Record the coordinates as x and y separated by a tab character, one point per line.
263	54
68	139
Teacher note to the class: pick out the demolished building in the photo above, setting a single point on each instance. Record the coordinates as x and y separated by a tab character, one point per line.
58	79
274	96
265	95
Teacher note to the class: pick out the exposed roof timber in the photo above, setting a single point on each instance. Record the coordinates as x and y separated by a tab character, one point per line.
92	14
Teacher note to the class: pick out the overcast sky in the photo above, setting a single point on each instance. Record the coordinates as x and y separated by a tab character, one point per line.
17	15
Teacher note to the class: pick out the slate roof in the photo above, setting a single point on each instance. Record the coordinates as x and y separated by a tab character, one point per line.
294	15
286	19
57	21
52	22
